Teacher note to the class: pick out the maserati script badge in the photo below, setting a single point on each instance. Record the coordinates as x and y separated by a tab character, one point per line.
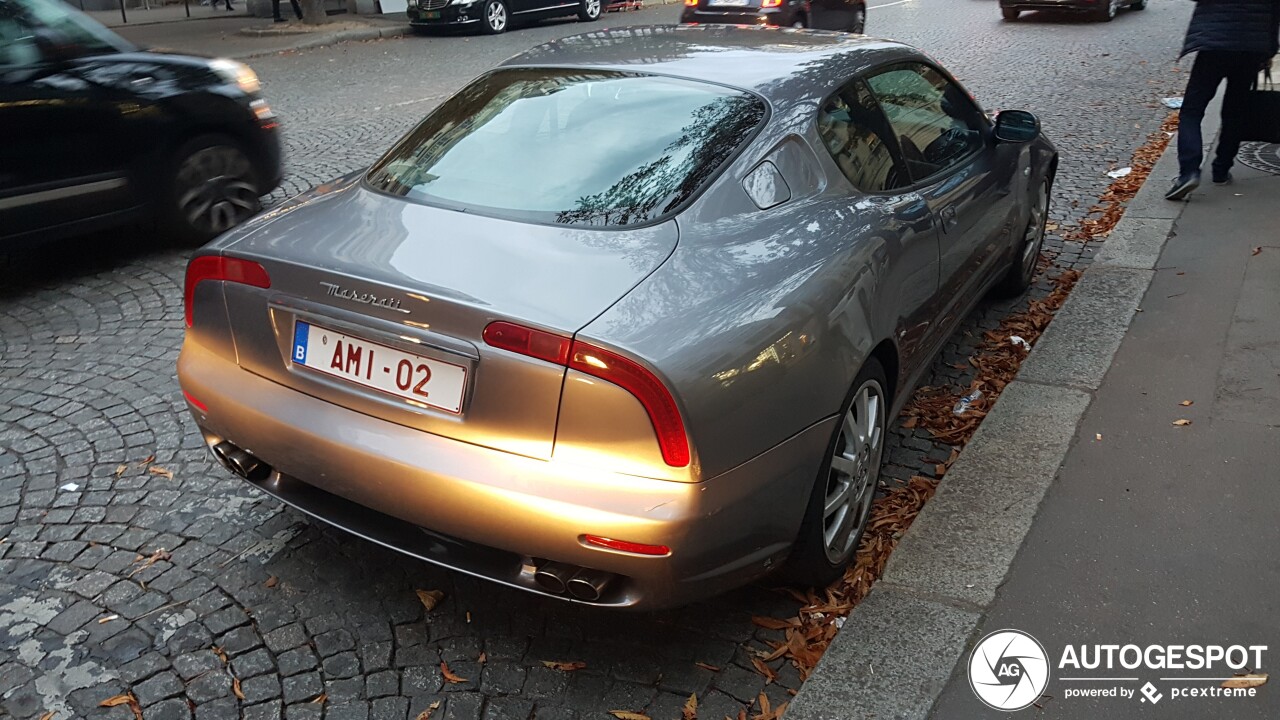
335	290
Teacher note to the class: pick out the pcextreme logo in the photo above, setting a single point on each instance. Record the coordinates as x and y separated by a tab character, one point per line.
1009	671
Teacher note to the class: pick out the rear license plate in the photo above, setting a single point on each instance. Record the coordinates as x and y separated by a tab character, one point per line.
431	15
407	376
727	3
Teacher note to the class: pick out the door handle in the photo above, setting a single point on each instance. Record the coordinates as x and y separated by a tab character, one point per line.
948	217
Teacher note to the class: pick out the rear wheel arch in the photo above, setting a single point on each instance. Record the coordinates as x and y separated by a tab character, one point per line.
887	355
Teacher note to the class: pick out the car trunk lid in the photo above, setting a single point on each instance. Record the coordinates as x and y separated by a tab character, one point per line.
398	282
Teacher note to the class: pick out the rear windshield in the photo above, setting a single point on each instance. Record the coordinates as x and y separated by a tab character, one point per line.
570	146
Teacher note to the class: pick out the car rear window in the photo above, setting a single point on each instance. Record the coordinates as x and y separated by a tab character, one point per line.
571	147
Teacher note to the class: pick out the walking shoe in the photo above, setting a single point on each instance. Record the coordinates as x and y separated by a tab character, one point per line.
280	19
1222	178
1183	186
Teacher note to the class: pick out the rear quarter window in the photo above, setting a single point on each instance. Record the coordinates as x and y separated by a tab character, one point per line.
572	147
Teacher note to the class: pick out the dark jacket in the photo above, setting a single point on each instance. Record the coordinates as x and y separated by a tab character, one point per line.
1235	25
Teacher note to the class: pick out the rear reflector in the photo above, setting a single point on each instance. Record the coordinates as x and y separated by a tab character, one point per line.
192	399
527	341
606	365
215	267
625	546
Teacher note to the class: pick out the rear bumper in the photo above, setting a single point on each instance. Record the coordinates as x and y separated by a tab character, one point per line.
747	16
1054	5
493	514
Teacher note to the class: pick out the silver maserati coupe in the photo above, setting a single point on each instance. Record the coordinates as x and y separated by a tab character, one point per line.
624	320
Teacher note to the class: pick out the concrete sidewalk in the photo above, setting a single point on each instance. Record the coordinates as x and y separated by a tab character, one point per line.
221	36
1154	533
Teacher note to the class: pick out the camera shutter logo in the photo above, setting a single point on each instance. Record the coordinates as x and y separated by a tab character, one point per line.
1008	670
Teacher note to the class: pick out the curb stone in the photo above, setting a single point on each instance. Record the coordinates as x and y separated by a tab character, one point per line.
902	644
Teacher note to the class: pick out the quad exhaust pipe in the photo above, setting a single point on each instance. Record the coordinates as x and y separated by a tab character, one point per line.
240	462
582	583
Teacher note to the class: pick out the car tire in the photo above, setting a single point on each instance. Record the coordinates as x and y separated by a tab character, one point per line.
1010	14
800	22
1139	5
1025	254
495	17
859	24
841	498
1109	12
211	187
589	10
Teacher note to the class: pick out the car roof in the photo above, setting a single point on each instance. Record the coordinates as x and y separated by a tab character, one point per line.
778	63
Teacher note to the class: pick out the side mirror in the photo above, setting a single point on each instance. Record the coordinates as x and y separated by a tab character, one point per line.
1017	126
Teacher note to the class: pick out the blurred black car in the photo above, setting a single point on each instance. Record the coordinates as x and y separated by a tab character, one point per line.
95	132
1105	10
845	15
494	16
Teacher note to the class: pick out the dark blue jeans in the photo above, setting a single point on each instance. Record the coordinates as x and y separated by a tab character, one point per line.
1210	69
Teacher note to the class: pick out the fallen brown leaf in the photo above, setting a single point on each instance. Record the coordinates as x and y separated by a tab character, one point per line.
271	582
222	655
707	666
1182	422
1257	250
764	670
430	598
628	715
449	675
115	700
565	666
1246	681
690	709
484	658
149	459
157	470
769	623
120	470
426	714
1187	403
47	716
320	699
107	619
235	688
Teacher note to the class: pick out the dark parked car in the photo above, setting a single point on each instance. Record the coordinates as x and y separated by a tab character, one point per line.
97	132
624	320
845	15
494	16
1105	10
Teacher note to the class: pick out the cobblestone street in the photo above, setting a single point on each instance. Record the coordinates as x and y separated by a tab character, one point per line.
131	560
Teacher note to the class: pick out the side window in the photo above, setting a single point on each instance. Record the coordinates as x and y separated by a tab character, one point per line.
17	46
856	135
936	125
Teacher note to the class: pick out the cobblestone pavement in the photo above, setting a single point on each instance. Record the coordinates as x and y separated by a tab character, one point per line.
89	335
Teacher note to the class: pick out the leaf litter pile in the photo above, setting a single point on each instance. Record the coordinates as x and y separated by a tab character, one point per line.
951	416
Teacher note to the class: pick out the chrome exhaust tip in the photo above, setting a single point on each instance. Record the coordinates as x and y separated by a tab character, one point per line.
554	577
240	462
589	584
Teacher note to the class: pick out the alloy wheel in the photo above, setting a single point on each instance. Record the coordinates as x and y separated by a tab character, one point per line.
592	8
1033	239
855	472
216	190
496	16
859	25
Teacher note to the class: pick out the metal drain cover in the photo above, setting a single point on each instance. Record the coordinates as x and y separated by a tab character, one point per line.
1261	156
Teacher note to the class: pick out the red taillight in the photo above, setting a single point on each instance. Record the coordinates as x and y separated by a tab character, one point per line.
691	3
527	341
606	365
625	546
647	388
214	267
770	3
